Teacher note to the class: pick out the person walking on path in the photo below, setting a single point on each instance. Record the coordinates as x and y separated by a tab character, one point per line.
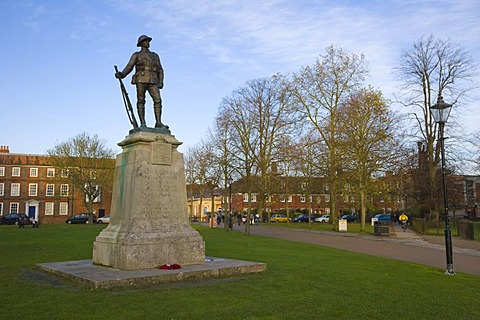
403	220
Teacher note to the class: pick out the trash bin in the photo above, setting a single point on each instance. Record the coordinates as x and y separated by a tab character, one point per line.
380	228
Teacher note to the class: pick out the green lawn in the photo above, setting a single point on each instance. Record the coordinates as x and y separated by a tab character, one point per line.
302	282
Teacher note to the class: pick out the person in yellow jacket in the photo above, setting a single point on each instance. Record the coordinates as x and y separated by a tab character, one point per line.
403	220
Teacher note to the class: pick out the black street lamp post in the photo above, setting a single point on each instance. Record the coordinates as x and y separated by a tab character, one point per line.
440	112
230	217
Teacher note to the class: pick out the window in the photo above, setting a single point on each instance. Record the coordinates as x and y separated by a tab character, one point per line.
16	172
1	209
15	190
49	208
327	198
2	171
269	198
2	188
282	198
254	197
33	172
290	198
50	190
245	197
64	190
65	173
63	209
304	185
302	198
32	189
50	172
14	207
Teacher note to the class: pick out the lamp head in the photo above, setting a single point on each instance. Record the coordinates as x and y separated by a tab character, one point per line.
440	110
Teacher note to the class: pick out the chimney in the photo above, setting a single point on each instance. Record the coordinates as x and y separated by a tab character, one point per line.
4	149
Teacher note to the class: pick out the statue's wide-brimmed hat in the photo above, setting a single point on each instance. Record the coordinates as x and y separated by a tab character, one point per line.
142	38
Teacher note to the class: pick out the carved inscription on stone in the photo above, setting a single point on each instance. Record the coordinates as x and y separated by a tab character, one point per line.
161	153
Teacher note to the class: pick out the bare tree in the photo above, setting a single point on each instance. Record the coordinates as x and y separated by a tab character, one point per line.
270	98
368	140
258	117
87	163
318	91
433	68
205	172
242	120
220	139
308	161
190	177
475	154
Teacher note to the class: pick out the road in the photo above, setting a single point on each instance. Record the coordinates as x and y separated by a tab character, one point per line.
407	246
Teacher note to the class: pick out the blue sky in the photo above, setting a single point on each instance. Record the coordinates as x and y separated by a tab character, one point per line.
58	55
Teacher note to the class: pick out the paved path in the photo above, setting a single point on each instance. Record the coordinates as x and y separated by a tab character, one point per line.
406	246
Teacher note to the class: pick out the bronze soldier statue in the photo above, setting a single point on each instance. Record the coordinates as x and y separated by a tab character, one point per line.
148	77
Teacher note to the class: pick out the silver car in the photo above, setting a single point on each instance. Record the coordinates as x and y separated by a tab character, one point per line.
323	218
104	219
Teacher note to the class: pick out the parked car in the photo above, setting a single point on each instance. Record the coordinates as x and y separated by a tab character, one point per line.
278	218
14	218
303	218
323	218
349	218
104	219
80	218
382	217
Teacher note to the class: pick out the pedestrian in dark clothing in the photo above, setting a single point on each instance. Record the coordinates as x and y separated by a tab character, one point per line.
34	223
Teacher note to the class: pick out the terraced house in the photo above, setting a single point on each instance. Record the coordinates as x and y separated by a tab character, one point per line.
30	184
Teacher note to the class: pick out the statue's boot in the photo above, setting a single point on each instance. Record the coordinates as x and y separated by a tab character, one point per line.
158	115
141	115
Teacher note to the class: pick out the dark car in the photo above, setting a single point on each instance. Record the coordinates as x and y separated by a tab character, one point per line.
303	218
80	218
349	218
382	217
15	218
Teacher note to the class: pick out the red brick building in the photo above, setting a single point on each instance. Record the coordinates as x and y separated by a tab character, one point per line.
298	194
295	193
30	185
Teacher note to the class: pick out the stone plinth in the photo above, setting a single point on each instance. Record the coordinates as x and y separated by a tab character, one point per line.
95	276
149	223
